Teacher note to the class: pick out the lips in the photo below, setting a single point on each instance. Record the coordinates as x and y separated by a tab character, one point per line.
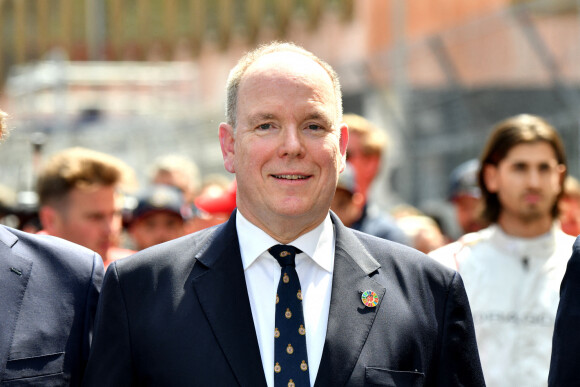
532	198
291	177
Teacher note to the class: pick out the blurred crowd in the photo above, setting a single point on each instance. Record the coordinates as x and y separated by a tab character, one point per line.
93	199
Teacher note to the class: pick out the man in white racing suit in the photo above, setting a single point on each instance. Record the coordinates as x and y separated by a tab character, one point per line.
512	269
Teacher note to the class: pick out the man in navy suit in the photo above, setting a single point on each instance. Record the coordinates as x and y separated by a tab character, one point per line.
566	339
199	310
48	298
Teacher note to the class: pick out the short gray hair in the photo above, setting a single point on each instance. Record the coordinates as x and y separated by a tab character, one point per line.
236	74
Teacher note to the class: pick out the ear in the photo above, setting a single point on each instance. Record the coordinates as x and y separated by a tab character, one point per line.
227	140
50	219
490	178
343	142
562	173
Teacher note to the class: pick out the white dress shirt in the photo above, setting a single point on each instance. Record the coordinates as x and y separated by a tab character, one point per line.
314	267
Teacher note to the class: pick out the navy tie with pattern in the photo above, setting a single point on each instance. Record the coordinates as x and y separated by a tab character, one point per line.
290	356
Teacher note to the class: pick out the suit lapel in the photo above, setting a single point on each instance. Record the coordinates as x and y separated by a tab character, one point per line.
349	321
221	289
14	276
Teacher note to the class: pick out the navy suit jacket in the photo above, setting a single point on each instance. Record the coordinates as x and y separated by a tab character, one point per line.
178	314
566	340
49	290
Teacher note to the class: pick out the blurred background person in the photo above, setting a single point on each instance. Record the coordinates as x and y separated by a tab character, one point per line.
422	230
465	195
178	171
347	202
215	204
80	199
365	149
570	207
7	204
160	216
214	184
512	269
417	229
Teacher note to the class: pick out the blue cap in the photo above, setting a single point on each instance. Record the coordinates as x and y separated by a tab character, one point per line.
463	180
161	198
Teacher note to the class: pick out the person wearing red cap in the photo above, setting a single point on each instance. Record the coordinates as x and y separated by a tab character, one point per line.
215	207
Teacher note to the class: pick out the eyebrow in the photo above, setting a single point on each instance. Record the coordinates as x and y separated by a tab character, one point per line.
321	117
255	118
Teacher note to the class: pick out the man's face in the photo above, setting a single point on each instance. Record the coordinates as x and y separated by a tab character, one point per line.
287	150
467	210
527	181
346	206
155	228
366	166
91	218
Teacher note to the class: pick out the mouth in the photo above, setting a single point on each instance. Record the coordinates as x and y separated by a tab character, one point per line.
291	177
532	198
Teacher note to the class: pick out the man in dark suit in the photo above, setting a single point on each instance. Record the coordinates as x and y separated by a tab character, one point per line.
48	298
566	339
211	308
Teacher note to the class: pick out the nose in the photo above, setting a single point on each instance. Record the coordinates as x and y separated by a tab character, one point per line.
107	225
534	178
291	142
111	224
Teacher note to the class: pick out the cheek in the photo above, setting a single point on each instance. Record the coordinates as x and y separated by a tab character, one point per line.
557	184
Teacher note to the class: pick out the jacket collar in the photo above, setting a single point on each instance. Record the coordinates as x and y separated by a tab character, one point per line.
221	289
349	321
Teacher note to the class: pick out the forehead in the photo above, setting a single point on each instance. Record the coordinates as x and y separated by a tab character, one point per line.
540	151
287	60
92	197
281	69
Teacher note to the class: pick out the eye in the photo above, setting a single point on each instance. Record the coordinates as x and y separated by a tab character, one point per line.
314	127
265	126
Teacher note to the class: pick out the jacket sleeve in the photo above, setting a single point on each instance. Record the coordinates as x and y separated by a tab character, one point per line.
92	298
110	356
459	363
566	339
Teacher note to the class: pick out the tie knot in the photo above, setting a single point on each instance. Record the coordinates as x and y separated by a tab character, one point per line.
284	254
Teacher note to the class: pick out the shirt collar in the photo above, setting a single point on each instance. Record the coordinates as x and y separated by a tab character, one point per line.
318	243
542	245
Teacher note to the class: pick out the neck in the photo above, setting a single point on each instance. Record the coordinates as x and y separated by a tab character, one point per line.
525	228
284	229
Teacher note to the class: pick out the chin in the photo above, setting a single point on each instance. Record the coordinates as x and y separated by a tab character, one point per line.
295	211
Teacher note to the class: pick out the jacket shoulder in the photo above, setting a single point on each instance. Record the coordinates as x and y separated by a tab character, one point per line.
168	254
400	259
50	250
